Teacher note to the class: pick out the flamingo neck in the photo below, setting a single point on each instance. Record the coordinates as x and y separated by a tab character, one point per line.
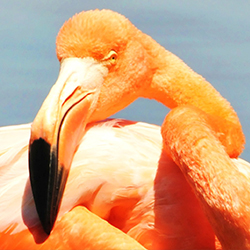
218	182
175	84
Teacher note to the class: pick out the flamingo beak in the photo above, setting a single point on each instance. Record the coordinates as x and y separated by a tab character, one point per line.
57	130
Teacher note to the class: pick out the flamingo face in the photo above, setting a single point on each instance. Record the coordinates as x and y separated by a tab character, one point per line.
76	99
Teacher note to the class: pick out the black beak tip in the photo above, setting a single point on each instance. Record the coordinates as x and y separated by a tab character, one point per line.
47	180
42	169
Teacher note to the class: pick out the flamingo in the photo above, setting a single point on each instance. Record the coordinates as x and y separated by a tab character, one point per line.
106	63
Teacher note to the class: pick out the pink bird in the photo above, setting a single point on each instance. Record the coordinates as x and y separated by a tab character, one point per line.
186	196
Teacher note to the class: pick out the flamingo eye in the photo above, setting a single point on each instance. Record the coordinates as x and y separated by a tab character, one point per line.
113	57
110	59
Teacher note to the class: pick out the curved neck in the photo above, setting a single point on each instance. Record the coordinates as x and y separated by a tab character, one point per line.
175	84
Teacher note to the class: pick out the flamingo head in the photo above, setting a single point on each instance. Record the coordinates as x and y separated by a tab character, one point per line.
103	68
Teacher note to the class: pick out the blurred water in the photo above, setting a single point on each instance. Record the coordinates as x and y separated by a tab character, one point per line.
212	37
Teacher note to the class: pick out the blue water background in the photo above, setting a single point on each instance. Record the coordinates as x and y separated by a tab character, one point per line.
212	37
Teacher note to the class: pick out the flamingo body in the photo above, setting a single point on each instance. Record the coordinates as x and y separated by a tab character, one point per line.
131	196
146	195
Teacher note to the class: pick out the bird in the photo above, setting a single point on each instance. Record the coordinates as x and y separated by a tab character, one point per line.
146	195
105	64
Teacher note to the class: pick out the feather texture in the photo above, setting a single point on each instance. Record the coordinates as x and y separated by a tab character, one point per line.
145	195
